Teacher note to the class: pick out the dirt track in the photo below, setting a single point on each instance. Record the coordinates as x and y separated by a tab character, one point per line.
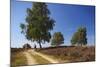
32	60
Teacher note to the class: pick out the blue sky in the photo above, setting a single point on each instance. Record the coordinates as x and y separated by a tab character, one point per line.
68	18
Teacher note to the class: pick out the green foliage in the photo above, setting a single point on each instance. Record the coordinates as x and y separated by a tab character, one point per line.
22	26
79	37
57	39
38	23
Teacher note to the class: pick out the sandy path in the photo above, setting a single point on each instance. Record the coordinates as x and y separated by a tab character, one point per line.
51	60
30	59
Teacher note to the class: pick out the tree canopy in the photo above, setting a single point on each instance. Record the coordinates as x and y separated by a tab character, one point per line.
57	39
38	23
80	37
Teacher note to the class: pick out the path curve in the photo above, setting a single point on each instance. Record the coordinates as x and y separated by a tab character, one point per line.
30	59
51	60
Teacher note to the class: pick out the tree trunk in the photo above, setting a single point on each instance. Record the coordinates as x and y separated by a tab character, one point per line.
40	44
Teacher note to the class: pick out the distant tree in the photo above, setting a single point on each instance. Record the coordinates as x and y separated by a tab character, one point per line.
38	23
80	37
57	39
74	39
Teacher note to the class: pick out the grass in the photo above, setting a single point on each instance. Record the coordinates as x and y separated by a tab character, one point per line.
18	59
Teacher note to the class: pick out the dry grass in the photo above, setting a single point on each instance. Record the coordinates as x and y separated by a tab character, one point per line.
17	58
63	54
71	54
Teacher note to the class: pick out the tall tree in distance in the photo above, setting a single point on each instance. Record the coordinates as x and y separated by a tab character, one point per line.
57	39
38	23
80	37
74	39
